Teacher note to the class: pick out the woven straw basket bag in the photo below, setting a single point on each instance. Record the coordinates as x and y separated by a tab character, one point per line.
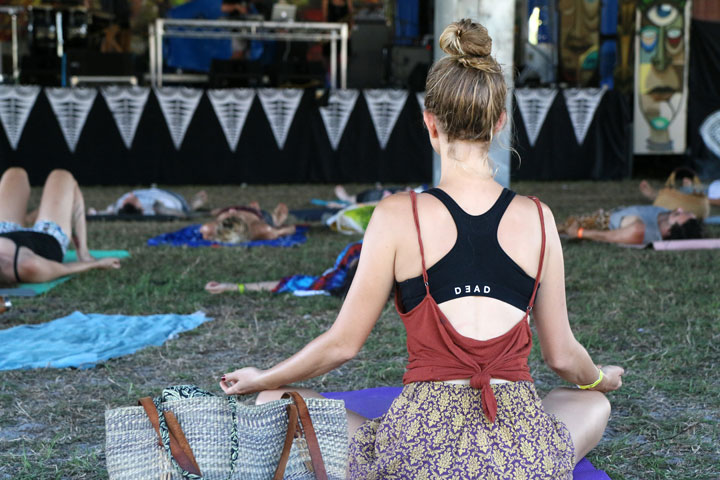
225	439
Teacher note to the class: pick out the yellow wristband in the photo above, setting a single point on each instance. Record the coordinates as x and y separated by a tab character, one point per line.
595	383
241	287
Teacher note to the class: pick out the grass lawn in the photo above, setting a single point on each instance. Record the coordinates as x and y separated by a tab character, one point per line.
655	313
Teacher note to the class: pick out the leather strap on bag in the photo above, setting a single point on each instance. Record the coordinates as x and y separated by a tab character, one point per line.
292	429
179	446
300	409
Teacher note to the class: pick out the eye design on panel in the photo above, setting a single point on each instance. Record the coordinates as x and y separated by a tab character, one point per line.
648	38
674	39
662	15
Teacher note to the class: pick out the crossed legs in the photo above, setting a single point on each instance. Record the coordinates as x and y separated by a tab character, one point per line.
585	413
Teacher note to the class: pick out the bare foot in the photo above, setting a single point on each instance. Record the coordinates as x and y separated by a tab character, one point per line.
280	214
647	190
342	194
199	200
108	263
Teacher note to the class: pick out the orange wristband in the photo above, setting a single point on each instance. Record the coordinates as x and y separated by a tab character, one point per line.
580	232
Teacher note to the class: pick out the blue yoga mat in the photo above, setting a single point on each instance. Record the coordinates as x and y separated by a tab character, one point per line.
190	236
374	402
81	340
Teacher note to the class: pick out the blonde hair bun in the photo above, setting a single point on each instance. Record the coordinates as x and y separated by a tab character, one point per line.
466	39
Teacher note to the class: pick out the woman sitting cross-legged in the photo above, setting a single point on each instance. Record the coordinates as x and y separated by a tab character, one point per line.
471	260
35	254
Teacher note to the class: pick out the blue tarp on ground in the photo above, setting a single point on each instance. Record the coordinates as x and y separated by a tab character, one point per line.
83	340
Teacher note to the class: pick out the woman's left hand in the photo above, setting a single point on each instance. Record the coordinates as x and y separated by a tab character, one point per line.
242	381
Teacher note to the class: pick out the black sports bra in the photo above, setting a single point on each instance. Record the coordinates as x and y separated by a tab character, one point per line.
40	243
476	265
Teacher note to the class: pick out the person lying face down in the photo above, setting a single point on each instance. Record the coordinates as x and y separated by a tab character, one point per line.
635	225
35	254
246	223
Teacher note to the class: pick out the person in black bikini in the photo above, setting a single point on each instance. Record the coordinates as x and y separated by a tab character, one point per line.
35	254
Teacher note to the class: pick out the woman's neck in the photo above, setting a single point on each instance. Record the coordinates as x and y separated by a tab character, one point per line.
465	162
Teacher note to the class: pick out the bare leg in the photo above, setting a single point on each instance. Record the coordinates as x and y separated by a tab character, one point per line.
584	412
354	419
62	202
14	195
647	190
280	214
342	195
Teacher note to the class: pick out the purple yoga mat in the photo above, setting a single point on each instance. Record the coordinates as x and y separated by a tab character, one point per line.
374	402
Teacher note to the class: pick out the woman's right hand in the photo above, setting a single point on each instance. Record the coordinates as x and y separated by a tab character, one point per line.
612	378
242	381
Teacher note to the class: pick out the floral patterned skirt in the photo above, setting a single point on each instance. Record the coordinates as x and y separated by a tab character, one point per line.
437	430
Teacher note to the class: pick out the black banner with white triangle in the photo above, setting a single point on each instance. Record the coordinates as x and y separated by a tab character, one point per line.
385	107
126	105
71	107
178	105
231	107
710	132
280	105
337	113
16	102
534	104
582	104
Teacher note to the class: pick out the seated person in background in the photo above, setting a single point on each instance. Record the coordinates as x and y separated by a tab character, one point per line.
244	223
335	280
636	224
35	254
153	201
712	191
371	195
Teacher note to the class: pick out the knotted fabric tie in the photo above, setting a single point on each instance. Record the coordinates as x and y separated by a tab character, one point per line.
481	380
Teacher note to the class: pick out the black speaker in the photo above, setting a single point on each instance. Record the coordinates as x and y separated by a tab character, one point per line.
368	53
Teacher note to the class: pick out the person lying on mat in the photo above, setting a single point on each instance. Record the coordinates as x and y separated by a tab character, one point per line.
335	280
35	254
154	201
471	260
634	225
366	196
244	223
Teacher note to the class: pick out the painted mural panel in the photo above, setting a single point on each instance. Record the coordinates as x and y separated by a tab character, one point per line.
661	65
579	41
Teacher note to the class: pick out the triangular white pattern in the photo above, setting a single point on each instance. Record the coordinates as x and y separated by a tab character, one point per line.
280	105
231	107
126	105
15	106
335	116
534	105
421	100
71	107
178	105
710	132
385	107
582	104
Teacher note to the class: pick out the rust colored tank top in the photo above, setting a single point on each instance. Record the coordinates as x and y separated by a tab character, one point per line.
437	352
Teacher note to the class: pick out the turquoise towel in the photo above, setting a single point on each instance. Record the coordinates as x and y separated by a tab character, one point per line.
81	340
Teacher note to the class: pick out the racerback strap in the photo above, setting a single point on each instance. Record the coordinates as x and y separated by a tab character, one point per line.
413	198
